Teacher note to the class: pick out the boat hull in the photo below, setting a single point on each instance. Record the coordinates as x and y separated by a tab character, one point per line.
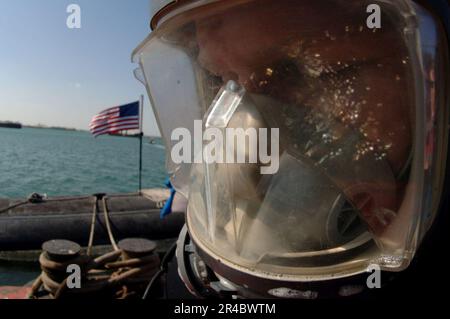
132	215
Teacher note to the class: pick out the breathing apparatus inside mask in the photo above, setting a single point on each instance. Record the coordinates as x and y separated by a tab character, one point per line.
320	207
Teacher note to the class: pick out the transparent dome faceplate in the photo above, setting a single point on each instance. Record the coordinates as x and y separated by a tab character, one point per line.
360	118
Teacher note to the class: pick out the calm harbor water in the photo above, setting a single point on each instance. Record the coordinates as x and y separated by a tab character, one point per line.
58	163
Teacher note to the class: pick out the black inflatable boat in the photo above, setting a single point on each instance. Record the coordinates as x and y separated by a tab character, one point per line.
26	224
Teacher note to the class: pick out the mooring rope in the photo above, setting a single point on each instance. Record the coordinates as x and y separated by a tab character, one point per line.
108	225
32	199
36	198
92	231
4	210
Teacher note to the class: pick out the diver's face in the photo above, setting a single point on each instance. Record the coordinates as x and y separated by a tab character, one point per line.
325	58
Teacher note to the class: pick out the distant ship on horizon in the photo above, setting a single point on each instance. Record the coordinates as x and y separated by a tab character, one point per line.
16	125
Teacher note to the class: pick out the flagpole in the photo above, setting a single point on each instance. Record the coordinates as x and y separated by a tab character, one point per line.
141	135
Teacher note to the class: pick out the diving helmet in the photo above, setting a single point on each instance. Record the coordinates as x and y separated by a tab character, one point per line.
340	124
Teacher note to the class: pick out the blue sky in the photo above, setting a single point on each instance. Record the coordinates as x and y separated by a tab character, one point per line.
54	75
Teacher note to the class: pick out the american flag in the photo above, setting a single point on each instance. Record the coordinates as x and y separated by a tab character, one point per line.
116	119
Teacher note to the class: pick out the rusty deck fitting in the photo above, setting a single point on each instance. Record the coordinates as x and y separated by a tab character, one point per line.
136	247
60	249
122	273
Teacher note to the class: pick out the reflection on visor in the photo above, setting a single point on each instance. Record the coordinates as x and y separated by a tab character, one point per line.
356	109
318	200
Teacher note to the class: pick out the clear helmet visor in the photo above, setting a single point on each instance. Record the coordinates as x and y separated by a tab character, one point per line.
306	148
